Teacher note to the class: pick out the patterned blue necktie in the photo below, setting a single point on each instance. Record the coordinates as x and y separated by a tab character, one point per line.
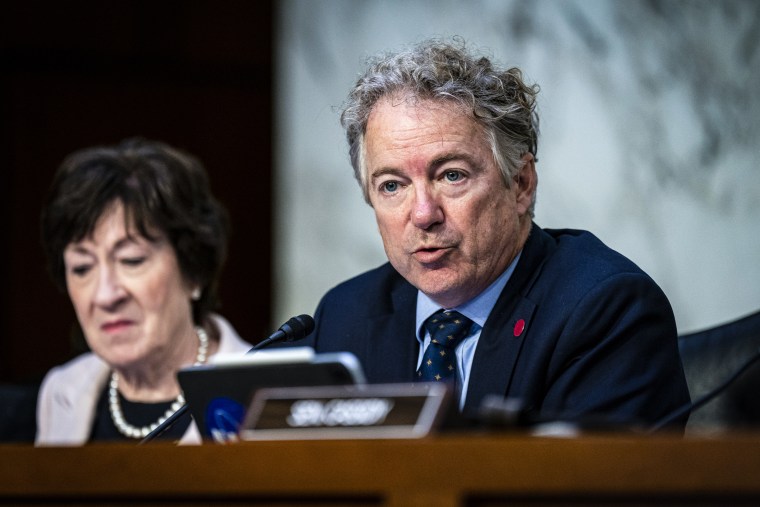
447	329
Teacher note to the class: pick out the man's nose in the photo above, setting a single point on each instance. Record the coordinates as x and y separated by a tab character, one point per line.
426	210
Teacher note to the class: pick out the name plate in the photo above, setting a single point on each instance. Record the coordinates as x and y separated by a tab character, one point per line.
345	412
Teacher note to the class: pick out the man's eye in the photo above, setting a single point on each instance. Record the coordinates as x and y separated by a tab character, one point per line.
390	186
453	176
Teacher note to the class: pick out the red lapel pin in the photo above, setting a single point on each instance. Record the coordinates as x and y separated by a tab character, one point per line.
519	327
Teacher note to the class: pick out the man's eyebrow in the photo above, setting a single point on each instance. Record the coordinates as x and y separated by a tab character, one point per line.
453	156
438	161
383	171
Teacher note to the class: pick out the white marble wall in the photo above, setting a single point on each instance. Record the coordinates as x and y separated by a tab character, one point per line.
650	135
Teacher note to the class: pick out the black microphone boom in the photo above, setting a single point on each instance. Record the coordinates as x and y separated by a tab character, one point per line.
690	407
294	329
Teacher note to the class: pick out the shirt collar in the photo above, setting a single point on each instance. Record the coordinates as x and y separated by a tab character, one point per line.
476	309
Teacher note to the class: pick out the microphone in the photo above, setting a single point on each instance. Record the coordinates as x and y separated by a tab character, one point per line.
690	407
297	328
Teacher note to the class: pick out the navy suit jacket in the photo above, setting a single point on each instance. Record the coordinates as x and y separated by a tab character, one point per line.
599	338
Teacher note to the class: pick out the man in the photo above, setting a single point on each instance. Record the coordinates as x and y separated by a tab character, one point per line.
444	146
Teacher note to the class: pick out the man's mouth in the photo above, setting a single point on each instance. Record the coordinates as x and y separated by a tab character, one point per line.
430	254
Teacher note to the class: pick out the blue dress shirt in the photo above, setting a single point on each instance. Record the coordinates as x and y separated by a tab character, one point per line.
477	309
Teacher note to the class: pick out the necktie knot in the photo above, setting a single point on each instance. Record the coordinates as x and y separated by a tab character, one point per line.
447	329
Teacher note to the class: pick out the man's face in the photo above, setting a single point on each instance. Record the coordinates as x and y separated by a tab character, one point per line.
449	224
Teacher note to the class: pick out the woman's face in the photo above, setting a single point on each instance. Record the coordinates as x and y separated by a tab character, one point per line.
129	295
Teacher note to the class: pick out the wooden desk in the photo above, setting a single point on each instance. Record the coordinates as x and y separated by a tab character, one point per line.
485	470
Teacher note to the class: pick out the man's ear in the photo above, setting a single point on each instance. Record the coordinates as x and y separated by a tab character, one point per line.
525	183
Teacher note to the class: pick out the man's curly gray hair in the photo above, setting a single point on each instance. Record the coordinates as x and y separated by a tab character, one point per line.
498	99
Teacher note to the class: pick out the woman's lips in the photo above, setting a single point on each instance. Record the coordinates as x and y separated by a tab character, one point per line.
115	325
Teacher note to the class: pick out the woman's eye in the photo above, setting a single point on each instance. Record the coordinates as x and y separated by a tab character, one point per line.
80	270
390	186
452	175
133	261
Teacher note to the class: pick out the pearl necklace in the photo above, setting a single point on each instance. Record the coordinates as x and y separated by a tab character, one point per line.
114	407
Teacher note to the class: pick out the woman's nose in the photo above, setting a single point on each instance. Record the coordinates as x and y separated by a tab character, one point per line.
109	290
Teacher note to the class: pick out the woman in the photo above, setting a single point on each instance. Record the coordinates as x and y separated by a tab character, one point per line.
135	237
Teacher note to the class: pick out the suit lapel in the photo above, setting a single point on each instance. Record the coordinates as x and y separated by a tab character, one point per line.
393	349
508	326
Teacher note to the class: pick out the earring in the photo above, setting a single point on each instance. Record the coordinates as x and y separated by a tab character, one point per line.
196	294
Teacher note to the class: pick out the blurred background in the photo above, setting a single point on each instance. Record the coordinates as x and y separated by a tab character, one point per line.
650	127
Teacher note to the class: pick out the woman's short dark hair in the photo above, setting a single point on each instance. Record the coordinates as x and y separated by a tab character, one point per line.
162	188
